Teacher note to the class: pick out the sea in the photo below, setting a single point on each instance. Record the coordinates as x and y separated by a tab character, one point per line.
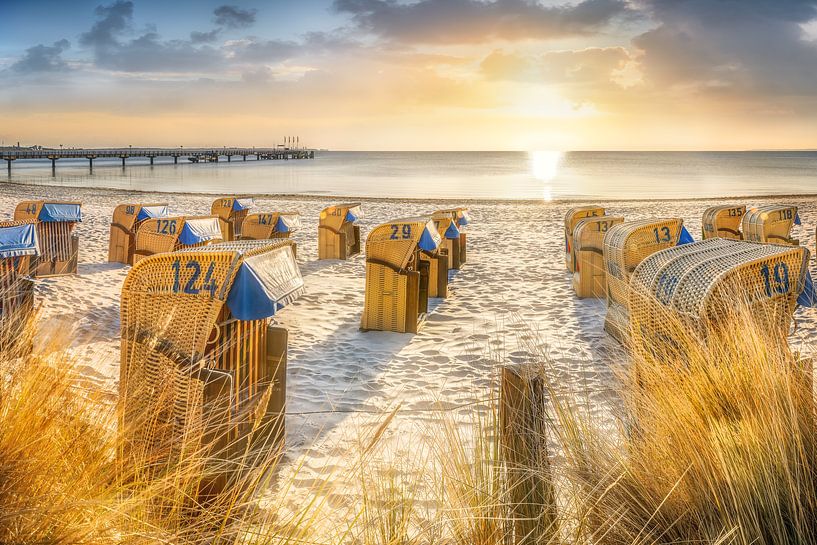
535	175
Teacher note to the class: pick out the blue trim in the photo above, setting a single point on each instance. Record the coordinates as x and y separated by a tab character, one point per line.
243	204
797	218
264	284
146	212
199	230
60	212
685	237
807	297
18	240
428	241
452	232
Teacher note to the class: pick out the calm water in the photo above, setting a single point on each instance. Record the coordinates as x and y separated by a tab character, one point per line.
494	175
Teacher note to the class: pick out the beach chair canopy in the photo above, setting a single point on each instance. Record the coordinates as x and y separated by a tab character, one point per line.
339	214
153	211
723	221
458	215
396	241
354	213
452	231
770	223
243	203
18	240
198	230
49	212
288	222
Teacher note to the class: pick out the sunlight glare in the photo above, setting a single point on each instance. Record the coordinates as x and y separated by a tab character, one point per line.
544	166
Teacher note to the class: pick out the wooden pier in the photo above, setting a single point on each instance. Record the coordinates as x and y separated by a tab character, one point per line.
194	155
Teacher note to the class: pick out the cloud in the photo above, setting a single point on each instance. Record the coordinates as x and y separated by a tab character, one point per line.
233	16
255	49
43	58
593	66
113	19
197	37
475	21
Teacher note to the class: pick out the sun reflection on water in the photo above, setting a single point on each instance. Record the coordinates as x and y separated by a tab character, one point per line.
544	166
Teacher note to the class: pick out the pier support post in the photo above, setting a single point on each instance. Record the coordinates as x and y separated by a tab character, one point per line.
123	161
175	159
151	160
245	157
90	164
229	158
53	166
8	162
257	156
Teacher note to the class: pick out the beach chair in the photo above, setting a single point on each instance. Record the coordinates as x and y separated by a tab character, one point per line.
273	225
626	245
126	221
451	224
200	358
158	235
399	260
338	236
59	245
589	277
18	246
723	221
573	216
701	283
771	223
231	212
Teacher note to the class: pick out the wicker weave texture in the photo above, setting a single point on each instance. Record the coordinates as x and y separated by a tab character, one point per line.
589	277
58	244
124	225
723	221
262	226
572	217
337	237
160	235
770	223
229	219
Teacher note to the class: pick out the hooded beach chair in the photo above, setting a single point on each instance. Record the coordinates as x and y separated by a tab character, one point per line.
451	225
126	221
723	221
573	216
338	236
771	223
18	246
400	256
702	282
200	357
157	235
589	277
231	212
273	225
626	245
59	246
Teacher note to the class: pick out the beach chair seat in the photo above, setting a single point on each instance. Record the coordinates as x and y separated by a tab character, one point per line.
572	217
125	224
403	267
231	212
451	224
338	236
59	244
589	276
723	221
771	223
18	246
704	283
158	235
626	245
201	361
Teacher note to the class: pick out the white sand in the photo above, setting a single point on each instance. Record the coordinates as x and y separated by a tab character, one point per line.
514	284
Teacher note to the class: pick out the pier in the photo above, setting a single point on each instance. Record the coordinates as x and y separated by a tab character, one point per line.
193	155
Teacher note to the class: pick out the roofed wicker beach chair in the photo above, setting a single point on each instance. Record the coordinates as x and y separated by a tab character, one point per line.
723	221
231	212
59	245
18	246
451	225
771	223
273	225
158	235
126	221
573	216
338	236
402	261
701	283
589	276
626	245
201	361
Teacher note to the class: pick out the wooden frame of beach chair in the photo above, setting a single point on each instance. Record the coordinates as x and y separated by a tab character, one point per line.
589	276
158	235
231	212
18	246
771	223
200	358
338	236
59	245
626	245
399	259
271	225
448	221
723	221
701	283
125	223
572	217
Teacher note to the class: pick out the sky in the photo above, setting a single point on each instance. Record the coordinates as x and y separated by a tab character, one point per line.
411	74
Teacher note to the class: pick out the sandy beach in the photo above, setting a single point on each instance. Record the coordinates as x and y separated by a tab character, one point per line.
511	301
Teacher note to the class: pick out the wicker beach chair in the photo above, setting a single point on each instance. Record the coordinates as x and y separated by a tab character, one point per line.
723	221
273	225
18	246
158	235
589	277
701	283
200	358
126	221
626	245
402	262
231	212
572	217
451	225
338	236
771	223
59	245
